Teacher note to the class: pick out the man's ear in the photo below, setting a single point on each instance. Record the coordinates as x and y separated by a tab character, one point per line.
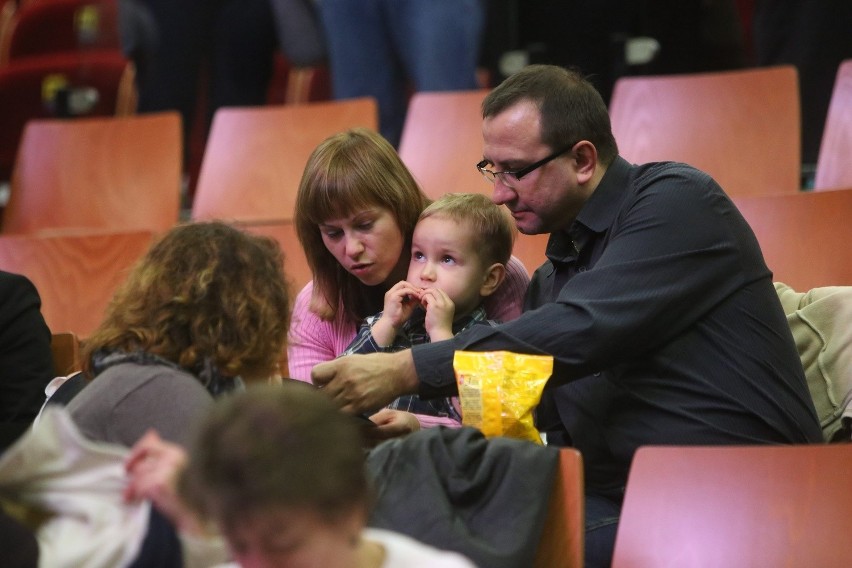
585	160
494	276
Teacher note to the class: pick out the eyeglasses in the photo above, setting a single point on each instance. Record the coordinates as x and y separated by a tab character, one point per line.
491	176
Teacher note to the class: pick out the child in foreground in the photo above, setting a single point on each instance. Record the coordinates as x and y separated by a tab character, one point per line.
279	471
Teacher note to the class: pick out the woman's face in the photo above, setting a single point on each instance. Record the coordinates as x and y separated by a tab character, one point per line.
284	538
368	244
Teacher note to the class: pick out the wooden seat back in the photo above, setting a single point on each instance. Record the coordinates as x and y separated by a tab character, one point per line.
255	157
742	127
804	236
834	162
106	173
75	275
736	506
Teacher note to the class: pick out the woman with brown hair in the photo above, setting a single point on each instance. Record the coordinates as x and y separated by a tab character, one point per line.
356	210
203	311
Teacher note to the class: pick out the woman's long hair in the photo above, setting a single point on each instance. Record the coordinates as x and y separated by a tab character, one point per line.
347	172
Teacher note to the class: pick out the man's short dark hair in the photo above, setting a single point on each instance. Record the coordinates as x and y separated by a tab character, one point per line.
571	108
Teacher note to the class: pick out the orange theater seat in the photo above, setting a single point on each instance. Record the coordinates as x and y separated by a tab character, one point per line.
563	539
255	156
76	275
742	127
118	173
442	142
736	506
834	163
804	236
91	83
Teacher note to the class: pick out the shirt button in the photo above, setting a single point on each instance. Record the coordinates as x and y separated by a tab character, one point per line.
581	269
597	374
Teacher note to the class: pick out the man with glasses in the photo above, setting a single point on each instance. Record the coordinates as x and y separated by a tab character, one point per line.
654	301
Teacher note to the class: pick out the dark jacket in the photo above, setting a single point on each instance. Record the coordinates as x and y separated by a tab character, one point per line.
26	363
454	489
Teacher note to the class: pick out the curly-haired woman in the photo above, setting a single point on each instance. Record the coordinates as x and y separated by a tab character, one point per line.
204	310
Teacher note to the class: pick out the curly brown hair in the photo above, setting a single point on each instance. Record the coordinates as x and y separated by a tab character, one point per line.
204	290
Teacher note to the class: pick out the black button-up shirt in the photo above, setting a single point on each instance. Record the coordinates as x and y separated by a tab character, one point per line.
660	313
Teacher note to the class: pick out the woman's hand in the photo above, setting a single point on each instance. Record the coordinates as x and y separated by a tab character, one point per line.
153	468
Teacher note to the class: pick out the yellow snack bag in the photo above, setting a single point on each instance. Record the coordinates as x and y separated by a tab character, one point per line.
498	391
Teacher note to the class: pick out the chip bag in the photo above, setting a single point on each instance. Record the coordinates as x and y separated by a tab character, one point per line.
498	391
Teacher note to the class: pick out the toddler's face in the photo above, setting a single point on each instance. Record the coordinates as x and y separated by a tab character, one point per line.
443	256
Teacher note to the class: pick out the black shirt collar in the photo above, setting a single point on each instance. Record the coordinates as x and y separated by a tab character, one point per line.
596	216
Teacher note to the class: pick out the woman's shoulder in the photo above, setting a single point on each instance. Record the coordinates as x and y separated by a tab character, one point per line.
302	318
304	322
123	380
127	399
306	292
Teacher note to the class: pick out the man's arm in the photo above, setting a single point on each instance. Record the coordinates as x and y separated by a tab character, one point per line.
672	256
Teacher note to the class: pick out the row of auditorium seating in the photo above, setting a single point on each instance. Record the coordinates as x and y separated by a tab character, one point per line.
88	196
128	170
123	174
802	235
59	58
742	127
64	59
708	506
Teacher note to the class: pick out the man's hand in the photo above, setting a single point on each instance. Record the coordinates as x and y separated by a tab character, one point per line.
364	383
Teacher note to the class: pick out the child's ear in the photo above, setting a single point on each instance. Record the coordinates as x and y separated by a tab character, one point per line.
493	277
